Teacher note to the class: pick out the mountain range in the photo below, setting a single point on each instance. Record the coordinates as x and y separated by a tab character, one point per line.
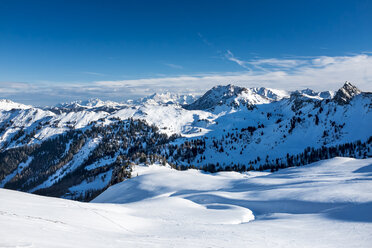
76	150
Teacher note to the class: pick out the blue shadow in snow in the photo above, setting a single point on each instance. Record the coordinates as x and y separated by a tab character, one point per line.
365	169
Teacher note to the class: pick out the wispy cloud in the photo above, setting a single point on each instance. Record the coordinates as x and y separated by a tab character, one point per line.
230	56
319	73
93	73
279	63
266	64
205	41
174	66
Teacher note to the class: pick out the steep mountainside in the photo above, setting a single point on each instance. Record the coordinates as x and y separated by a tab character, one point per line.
77	150
270	133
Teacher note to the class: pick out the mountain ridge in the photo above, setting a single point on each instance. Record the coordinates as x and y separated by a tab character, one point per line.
220	92
94	144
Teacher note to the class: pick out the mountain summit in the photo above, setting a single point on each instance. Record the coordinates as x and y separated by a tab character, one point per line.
235	96
215	96
7	105
346	93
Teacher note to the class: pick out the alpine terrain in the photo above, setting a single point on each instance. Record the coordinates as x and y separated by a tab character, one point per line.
235	167
77	150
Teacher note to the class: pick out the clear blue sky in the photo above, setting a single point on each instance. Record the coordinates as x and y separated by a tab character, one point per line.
66	42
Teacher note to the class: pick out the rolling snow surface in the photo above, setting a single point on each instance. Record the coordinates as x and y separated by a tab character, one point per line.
325	204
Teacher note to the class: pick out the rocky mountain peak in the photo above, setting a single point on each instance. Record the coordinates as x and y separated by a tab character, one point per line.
215	96
235	96
346	93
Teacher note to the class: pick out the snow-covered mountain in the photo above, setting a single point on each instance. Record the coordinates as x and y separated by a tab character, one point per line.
7	105
235	96
90	104
166	98
325	204
77	150
309	93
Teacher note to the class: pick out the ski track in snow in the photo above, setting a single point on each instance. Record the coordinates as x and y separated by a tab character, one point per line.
325	204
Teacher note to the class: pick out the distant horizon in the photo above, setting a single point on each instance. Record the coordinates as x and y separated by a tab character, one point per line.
125	101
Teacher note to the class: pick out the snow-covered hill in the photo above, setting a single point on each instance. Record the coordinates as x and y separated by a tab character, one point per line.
325	204
77	150
7	105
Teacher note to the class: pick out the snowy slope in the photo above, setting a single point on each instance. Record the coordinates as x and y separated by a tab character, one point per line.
77	160
7	105
325	204
278	130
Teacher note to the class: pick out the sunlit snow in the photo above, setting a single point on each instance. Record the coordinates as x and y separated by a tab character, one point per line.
325	204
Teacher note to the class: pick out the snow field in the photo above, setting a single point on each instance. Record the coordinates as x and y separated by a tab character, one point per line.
325	204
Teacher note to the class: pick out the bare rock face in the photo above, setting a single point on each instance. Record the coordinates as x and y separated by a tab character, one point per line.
346	93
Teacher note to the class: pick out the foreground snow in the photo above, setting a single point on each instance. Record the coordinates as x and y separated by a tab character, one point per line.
326	204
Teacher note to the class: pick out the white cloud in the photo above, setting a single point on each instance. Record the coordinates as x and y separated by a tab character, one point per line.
321	73
281	63
318	73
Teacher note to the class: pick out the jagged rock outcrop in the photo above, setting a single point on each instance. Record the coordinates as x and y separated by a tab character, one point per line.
346	93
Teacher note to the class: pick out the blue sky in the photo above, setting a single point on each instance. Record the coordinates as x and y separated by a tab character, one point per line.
52	51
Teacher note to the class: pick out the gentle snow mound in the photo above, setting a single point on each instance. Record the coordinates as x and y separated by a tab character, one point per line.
161	207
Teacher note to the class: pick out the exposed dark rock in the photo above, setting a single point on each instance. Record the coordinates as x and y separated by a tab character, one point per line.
346	93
